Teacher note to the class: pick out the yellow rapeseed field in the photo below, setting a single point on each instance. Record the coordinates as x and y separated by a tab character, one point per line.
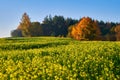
52	58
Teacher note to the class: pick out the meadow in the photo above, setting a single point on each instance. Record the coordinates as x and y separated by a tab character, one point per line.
53	58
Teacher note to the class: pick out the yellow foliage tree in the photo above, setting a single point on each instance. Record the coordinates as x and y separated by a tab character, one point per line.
86	29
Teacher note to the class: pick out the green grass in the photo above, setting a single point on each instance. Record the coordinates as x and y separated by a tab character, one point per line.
52	58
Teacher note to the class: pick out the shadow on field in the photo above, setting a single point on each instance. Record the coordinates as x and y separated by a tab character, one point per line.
26	46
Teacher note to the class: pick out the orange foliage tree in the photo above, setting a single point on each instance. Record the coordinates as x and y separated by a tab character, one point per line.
86	29
117	30
25	25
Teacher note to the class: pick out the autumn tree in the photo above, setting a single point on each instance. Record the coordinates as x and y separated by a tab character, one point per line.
24	25
86	29
117	30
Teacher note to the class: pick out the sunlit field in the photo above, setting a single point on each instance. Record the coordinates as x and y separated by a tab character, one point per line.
58	59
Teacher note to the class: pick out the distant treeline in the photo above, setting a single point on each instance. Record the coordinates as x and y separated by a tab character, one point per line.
60	26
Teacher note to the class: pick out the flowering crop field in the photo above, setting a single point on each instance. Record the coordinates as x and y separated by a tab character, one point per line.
50	58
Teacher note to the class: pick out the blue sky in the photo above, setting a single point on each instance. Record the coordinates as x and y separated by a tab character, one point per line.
11	11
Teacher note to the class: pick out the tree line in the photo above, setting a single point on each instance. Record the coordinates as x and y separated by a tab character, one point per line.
83	29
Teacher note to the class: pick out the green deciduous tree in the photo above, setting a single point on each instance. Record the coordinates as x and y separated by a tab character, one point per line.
35	29
16	33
